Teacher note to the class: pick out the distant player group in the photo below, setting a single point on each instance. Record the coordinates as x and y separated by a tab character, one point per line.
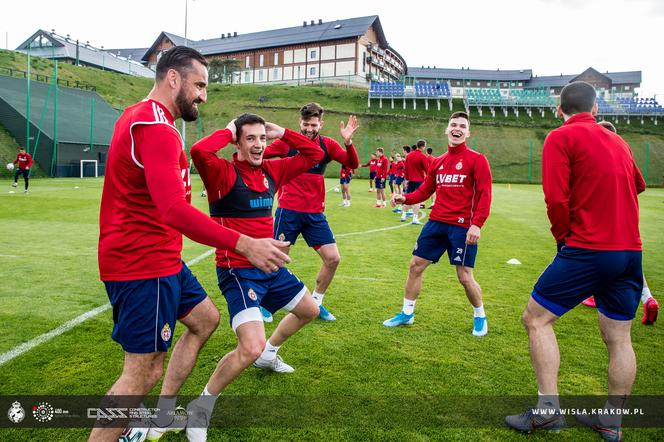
145	210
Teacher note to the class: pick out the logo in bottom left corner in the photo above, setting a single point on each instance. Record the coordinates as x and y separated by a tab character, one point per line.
16	413
43	412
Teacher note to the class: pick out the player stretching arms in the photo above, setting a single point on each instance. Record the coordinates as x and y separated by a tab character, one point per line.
461	179
302	201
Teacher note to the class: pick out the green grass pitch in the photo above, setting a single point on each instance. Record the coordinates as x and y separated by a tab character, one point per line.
354	379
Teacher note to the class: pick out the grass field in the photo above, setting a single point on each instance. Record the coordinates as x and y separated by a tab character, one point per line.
354	379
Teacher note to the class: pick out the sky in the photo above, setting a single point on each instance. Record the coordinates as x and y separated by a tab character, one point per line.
550	37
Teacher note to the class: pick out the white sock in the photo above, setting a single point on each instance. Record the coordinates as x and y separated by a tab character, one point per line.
206	400
645	294
549	401
270	351
378	202
415	218
400	207
318	297
408	306
478	312
166	407
348	201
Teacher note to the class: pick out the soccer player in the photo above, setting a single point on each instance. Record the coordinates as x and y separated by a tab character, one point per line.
144	212
241	194
390	174
462	180
398	174
650	305
346	175
302	201
415	171
599	252
23	162
381	177
371	164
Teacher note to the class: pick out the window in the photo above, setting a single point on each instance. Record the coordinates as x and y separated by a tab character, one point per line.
275	74
276	58
478	84
261	60
626	88
312	54
312	71
247	61
458	83
260	74
246	77
520	84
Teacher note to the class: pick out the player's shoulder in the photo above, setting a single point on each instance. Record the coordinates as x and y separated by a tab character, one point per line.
329	142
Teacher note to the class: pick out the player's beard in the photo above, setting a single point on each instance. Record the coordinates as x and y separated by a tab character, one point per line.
311	137
188	111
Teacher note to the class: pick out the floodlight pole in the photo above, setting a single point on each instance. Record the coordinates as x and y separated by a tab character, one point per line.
27	104
184	127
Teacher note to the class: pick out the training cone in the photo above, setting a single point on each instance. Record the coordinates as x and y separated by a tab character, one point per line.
514	261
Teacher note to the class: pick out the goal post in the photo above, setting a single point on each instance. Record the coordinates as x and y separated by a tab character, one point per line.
90	161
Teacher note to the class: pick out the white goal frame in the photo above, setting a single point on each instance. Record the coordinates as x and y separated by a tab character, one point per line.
90	161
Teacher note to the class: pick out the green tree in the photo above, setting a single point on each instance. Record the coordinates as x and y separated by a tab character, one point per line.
221	70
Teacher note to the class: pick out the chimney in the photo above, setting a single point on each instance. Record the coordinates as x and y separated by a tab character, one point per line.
223	36
235	34
304	23
312	22
228	35
320	21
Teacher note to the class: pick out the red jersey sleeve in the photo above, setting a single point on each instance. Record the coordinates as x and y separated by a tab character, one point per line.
346	157
426	189
482	197
30	162
309	153
638	180
278	149
555	182
218	175
163	177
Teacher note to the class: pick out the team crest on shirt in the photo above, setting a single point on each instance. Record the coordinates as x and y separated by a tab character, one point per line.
282	237
252	294
459	165
166	333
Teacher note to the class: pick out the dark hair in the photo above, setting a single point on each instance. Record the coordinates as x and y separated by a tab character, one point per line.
311	110
421	143
246	119
380	149
608	125
406	149
577	97
179	58
429	150
460	114
21	148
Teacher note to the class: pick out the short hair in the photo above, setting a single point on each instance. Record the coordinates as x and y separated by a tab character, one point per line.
421	143
21	148
577	97
246	119
429	150
460	114
380	149
312	110
608	125
179	58
406	149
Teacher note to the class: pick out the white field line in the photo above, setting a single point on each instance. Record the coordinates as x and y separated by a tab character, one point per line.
27	346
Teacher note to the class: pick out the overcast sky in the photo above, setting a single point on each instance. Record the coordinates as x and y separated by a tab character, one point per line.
548	36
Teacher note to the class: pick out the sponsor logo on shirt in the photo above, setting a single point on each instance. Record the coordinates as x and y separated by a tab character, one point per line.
450	178
258	203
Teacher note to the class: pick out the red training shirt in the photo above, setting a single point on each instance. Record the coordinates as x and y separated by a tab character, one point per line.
590	186
23	161
145	200
381	166
461	179
416	166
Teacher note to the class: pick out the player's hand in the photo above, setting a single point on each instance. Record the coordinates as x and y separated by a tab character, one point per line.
473	235
274	131
233	128
266	254
348	131
397	199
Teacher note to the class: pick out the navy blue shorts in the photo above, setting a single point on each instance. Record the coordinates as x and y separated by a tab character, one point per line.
145	310
413	186
615	278
390	178
372	175
344	180
246	289
436	238
380	183
24	172
398	180
288	224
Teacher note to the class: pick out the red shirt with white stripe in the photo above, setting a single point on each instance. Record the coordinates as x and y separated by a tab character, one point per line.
219	176
381	166
306	193
23	161
145	200
461	179
590	186
416	166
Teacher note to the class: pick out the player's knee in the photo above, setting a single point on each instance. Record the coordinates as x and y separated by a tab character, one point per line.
466	278
333	260
152	376
310	313
250	351
211	321
417	266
